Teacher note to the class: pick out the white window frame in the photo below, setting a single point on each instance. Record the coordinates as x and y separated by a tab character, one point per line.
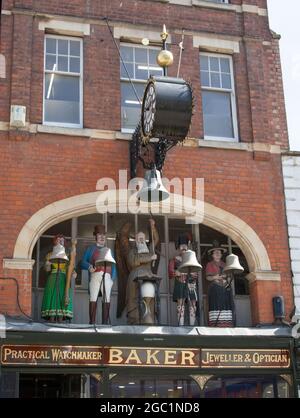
232	95
62	124
218	1
134	80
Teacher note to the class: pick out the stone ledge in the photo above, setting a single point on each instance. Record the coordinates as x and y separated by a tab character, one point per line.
18	264
273	276
119	135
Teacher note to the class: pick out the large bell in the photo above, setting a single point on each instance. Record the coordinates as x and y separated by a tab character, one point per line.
233	264
59	253
105	257
153	189
189	263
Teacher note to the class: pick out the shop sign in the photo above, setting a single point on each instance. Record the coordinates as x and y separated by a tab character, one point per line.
44	355
223	358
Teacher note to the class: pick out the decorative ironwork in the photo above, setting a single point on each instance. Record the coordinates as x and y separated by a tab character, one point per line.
201	379
287	378
138	148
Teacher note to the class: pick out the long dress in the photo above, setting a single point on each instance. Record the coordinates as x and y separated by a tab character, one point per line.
220	299
53	305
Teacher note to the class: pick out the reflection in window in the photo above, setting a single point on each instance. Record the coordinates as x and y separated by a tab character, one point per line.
62	91
247	387
218	103
140	64
131	386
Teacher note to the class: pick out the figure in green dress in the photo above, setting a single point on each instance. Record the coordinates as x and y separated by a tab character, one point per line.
57	302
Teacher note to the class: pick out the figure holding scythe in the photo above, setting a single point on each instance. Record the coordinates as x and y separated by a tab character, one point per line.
136	269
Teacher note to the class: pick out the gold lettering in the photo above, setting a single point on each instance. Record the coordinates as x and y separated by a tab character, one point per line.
206	360
133	357
187	356
169	357
115	356
7	353
152	357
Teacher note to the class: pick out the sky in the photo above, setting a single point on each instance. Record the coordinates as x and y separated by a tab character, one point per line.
284	17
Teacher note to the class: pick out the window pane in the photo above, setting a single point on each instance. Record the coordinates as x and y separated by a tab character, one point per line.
51	62
155	71
129	69
51	45
141	71
127	53
75	65
141	56
205	78
214	64
62	63
226	81
153	56
75	48
217	114
62	99
225	66
63	47
204	62
130	106
215	80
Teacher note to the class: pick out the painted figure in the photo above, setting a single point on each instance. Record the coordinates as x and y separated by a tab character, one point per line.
57	302
220	298
185	287
141	260
101	277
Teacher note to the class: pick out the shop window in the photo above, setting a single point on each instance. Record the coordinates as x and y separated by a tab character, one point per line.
247	387
147	386
9	384
140	63
218	97
63	81
58	385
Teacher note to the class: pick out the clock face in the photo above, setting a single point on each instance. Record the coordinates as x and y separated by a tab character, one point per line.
149	110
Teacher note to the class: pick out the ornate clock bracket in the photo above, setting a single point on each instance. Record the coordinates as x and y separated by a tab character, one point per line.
166	115
138	148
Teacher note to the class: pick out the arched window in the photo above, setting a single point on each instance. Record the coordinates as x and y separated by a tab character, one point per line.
169	228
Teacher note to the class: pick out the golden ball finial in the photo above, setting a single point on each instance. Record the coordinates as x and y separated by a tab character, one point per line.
165	58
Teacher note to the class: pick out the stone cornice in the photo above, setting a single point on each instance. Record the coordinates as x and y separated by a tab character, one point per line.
255	276
118	135
18	264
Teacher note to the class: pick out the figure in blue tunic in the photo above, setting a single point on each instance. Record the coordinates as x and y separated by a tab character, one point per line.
101	277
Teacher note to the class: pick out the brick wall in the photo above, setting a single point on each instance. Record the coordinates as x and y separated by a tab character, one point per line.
260	101
37	169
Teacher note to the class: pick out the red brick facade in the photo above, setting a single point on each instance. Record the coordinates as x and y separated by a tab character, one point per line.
38	169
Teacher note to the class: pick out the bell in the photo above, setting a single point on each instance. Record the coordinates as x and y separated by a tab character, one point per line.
59	253
189	263
105	257
153	189
233	264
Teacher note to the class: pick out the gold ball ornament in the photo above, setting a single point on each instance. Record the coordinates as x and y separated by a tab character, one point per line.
165	58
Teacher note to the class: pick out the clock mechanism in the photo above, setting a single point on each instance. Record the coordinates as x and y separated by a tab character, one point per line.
167	108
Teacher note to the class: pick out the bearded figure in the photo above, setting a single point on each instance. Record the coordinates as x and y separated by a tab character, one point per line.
140	264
